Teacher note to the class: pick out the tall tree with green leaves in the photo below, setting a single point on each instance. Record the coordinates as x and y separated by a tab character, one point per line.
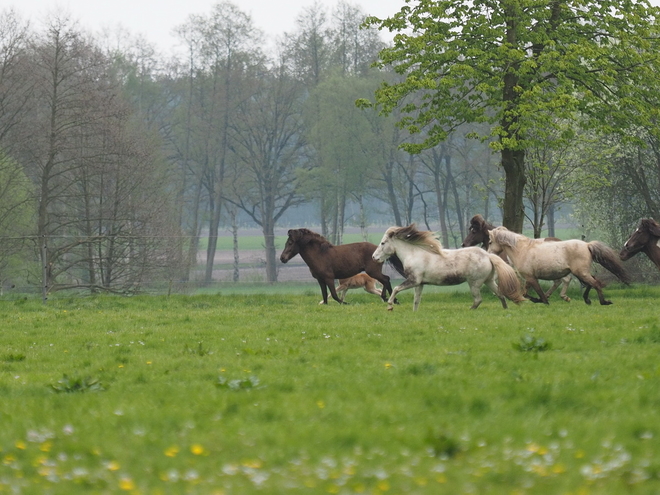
518	65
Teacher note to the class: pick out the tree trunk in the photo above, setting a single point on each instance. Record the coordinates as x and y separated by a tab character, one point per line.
513	163
271	255
551	220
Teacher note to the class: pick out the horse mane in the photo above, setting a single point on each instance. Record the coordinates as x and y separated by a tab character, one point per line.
306	236
480	222
422	238
505	237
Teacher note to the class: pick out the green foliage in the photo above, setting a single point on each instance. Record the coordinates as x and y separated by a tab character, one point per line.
238	384
77	384
531	343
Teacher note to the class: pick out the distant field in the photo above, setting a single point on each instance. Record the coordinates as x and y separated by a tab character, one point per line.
268	392
374	236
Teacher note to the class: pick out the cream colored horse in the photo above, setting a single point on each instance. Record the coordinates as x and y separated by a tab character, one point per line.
426	262
535	259
359	281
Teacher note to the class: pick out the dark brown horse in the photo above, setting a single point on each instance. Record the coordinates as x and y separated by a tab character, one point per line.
644	240
478	234
327	262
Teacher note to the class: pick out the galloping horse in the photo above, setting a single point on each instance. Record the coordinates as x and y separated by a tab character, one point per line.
426	262
327	262
361	280
645	239
478	234
534	259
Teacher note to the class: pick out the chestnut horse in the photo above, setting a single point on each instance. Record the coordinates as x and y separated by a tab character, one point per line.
645	239
427	262
361	280
534	259
478	234
327	262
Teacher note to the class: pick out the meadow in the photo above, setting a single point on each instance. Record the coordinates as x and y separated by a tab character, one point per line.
268	392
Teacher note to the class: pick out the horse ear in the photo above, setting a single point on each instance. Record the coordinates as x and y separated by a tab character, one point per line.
290	232
654	228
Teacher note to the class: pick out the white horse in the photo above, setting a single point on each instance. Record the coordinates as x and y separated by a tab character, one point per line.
535	259
426	262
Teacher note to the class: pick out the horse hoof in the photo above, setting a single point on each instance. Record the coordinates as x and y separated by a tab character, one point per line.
390	308
606	303
566	298
587	301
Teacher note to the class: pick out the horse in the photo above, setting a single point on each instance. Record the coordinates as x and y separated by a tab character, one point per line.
478	234
426	262
645	239
361	280
535	258
327	262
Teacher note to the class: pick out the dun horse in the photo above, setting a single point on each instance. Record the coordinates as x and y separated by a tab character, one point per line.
359	281
478	234
645	239
535	259
426	262
327	262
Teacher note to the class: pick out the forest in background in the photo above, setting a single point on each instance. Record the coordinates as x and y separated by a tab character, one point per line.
118	167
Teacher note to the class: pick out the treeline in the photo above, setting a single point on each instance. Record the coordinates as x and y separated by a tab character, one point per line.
114	160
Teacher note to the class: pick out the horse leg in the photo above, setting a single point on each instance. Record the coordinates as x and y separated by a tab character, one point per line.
406	284
331	285
387	286
324	291
418	296
475	290
590	281
566	281
490	283
370	287
539	290
341	291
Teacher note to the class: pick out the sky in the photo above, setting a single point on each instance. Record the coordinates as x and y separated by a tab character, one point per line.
155	19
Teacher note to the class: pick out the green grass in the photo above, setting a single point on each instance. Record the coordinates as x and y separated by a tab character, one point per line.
272	393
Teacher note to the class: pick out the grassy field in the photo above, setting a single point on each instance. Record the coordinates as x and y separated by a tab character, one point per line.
272	393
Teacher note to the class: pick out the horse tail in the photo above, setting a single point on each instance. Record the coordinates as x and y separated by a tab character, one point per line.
608	259
396	263
507	280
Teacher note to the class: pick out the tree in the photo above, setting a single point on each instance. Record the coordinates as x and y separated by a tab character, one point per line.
518	66
269	147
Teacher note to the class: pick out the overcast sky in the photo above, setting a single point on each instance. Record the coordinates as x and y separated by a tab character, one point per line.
155	19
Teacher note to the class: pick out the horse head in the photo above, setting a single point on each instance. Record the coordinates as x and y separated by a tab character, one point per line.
291	248
498	238
647	232
477	232
385	247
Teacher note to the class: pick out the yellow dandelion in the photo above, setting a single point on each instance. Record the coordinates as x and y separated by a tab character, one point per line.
126	484
579	454
253	463
172	451
197	449
558	468
320	404
441	478
46	446
333	489
8	459
383	486
113	466
421	481
120	366
388	365
20	444
532	447
148	362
